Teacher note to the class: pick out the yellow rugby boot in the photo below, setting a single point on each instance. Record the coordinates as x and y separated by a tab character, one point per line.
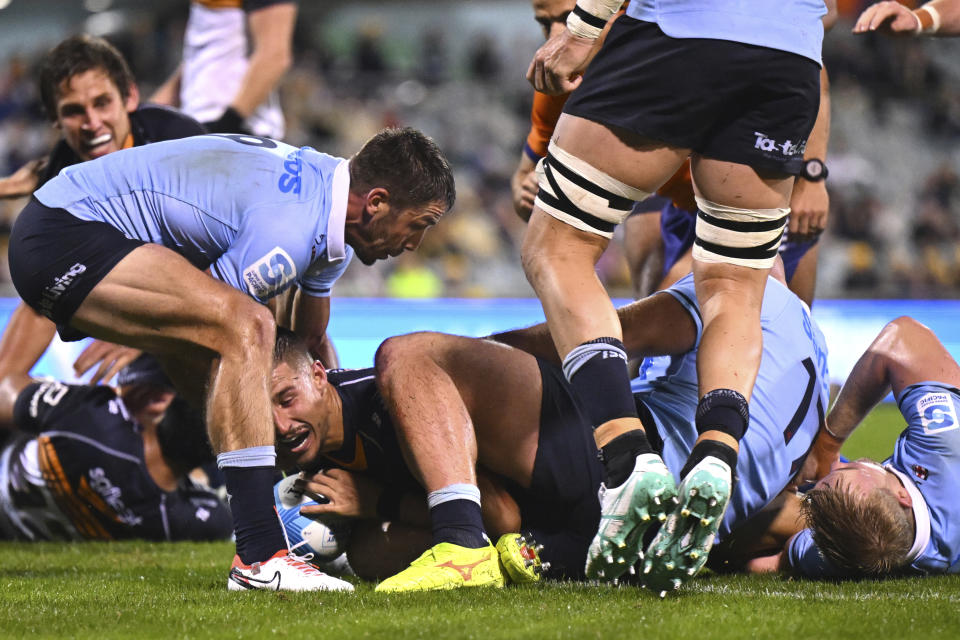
448	566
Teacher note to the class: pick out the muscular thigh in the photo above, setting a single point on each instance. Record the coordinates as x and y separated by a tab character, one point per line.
154	299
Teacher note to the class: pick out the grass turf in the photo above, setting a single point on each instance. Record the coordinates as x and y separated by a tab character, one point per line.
145	590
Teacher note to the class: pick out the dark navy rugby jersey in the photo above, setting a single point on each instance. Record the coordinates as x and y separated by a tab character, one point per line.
81	474
369	439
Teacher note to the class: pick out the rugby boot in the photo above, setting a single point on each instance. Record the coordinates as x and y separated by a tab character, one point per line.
520	559
283	572
448	566
680	548
627	512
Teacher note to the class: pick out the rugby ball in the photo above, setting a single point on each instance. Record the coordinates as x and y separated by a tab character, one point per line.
325	540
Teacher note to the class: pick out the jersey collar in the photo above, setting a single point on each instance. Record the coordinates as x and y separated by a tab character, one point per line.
921	514
336	223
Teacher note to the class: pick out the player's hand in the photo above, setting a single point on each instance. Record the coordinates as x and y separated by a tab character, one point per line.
107	357
809	210
350	495
558	65
824	453
23	181
524	187
891	18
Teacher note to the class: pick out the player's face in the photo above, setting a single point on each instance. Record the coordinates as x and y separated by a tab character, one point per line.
147	402
92	115
551	15
298	419
388	234
862	477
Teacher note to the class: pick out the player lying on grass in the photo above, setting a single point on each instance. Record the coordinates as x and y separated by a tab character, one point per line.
86	462
870	519
474	418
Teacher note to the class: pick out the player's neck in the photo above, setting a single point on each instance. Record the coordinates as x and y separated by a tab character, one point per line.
333	439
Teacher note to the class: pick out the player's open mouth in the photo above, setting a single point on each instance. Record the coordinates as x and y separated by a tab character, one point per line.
295	443
99	140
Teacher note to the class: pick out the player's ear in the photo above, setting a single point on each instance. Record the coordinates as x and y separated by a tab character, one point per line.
903	497
377	201
133	98
319	374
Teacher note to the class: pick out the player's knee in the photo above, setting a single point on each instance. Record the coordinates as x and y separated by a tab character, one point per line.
249	328
742	237
900	333
581	195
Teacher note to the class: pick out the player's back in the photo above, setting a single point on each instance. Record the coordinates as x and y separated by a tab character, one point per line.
195	195
786	407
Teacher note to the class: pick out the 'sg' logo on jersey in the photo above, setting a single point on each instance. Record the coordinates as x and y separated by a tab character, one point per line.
270	275
937	413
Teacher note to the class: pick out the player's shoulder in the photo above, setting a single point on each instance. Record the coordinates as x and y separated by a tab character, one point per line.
156	123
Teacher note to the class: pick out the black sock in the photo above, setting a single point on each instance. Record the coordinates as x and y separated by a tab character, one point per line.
458	522
255	521
713	448
620	454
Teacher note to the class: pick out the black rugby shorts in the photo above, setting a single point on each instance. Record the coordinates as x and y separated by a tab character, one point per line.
724	100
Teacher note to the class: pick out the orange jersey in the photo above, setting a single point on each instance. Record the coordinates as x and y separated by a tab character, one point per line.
543	120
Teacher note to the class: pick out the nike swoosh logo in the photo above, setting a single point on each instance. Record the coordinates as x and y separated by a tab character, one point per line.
255	583
359	462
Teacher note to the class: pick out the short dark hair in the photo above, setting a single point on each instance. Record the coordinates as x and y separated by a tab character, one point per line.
408	164
862	536
290	348
76	55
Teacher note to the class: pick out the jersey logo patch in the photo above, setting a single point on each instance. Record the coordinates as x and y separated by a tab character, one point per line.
270	275
937	413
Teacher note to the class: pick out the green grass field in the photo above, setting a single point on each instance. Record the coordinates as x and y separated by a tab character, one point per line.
142	590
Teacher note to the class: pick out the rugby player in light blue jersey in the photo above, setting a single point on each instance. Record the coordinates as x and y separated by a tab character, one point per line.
734	86
870	519
170	247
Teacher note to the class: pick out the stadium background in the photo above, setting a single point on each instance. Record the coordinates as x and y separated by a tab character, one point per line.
455	71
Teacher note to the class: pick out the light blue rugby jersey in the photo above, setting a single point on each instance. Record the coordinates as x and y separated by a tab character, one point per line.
926	458
262	214
786	25
786	409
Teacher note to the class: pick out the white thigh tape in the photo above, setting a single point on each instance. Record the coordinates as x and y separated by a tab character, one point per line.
584	197
744	237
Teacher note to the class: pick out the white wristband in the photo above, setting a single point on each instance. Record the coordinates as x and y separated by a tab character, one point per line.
589	17
935	20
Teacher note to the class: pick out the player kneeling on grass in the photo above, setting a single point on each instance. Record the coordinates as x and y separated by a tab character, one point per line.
482	417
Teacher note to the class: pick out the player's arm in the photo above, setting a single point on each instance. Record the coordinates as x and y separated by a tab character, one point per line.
271	34
657	325
310	319
939	18
23	181
810	202
523	186
168	93
24	341
346	494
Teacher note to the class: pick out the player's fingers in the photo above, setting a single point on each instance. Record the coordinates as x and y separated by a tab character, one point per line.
88	358
571	84
532	72
318	509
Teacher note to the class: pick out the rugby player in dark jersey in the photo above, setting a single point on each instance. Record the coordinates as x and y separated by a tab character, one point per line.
82	462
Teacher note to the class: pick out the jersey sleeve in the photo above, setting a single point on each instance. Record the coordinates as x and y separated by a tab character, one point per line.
263	257
319	279
683	291
679	189
197	513
805	559
43	404
543	120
